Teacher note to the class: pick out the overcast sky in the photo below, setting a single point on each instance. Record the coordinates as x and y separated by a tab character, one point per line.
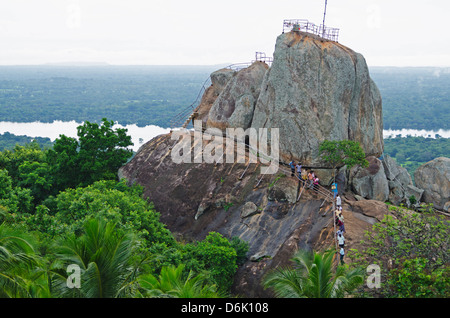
193	32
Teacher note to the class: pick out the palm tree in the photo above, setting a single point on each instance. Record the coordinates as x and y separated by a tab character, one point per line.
172	282
104	259
313	277
20	275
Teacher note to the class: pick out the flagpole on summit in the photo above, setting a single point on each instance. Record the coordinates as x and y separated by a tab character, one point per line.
323	24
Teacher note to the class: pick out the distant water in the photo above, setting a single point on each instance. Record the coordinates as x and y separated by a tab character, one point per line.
416	133
140	135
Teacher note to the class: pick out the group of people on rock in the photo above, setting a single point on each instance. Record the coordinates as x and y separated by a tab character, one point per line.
339	220
311	180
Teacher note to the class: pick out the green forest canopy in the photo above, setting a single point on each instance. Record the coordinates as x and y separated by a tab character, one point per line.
63	205
415	98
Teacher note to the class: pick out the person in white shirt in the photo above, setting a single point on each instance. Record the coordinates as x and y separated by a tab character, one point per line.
341	239
342	255
338	201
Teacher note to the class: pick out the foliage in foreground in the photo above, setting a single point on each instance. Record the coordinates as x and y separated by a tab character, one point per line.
64	207
314	276
411	249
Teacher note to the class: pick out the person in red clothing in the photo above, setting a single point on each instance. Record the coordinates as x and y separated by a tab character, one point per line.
316	183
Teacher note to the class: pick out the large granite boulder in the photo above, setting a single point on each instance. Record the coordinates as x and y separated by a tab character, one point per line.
219	80
317	90
234	107
434	178
371	182
401	187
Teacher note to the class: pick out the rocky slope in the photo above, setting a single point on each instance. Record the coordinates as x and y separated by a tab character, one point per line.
197	198
314	90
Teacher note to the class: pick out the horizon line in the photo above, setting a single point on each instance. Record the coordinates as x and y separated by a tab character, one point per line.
105	64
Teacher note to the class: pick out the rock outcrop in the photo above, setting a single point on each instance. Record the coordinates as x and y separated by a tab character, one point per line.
194	199
434	178
314	90
384	180
235	105
371	182
317	90
219	80
401	187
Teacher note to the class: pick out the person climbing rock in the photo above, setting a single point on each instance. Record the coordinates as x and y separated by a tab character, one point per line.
310	179
338	201
292	165
340	238
340	221
334	189
299	170
304	175
341	253
316	183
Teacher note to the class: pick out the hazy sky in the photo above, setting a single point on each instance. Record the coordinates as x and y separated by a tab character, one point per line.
386	32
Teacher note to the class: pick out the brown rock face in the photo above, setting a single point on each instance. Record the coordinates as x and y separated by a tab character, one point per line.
197	198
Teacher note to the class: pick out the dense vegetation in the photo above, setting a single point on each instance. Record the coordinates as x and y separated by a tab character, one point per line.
416	98
139	95
412	152
411	250
314	276
63	207
338	153
8	141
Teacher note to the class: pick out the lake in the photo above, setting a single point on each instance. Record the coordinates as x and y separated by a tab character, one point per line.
140	135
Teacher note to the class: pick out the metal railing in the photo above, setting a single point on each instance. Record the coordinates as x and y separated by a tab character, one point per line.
326	194
239	66
180	119
304	25
261	57
183	118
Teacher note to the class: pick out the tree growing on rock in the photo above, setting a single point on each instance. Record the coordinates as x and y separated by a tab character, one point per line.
338	153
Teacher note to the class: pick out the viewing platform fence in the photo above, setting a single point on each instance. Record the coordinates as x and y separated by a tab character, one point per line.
303	25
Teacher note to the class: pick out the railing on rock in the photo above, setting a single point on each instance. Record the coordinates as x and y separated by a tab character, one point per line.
183	118
304	25
238	66
261	57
